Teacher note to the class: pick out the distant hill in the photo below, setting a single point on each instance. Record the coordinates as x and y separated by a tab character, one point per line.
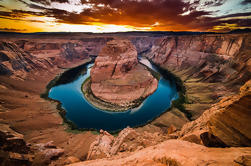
247	30
136	33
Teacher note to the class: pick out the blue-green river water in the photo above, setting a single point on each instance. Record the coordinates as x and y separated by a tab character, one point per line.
85	115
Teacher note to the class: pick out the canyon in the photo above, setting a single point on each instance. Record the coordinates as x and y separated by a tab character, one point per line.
215	71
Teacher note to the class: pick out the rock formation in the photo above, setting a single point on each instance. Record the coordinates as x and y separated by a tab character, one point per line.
16	62
212	58
210	66
225	124
128	140
118	78
21	55
176	153
15	151
13	148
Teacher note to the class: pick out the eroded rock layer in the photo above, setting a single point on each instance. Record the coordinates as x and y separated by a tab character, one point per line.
211	58
225	124
117	77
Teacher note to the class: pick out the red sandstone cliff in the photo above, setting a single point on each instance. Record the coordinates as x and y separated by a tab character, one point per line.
16	62
212	67
227	123
211	58
117	77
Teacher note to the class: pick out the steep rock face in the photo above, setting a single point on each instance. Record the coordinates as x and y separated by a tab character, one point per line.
116	58
216	65
212	58
13	148
142	44
12	141
14	60
210	66
117	77
50	51
67	49
77	47
225	124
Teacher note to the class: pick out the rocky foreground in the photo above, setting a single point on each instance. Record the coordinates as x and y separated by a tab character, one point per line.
118	78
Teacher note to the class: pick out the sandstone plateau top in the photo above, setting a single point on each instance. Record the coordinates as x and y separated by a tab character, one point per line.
118	78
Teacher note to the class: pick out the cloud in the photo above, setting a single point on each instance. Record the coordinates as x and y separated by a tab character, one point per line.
12	30
245	2
170	14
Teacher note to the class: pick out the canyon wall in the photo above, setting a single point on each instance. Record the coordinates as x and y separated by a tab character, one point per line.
212	68
224	124
27	54
211	58
15	61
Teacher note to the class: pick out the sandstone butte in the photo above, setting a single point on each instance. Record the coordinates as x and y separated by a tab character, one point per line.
117	77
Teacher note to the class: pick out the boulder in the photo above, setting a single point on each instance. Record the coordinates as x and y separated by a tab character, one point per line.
12	141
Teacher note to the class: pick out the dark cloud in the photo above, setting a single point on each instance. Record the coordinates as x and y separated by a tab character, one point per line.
12	29
48	2
60	1
136	13
235	15
218	2
3	13
245	2
139	13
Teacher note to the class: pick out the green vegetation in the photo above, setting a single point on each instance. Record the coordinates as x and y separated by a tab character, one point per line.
167	161
182	99
64	78
51	84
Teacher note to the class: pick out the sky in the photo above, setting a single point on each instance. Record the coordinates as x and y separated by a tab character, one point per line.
124	15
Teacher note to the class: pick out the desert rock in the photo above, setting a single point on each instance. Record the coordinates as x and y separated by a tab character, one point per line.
175	152
117	77
225	124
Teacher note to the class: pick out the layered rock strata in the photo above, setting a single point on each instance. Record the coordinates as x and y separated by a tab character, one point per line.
225	124
118	78
210	66
210	58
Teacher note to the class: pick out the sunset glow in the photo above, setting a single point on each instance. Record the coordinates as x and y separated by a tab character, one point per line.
123	15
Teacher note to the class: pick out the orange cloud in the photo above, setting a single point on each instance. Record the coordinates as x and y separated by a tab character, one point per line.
126	15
